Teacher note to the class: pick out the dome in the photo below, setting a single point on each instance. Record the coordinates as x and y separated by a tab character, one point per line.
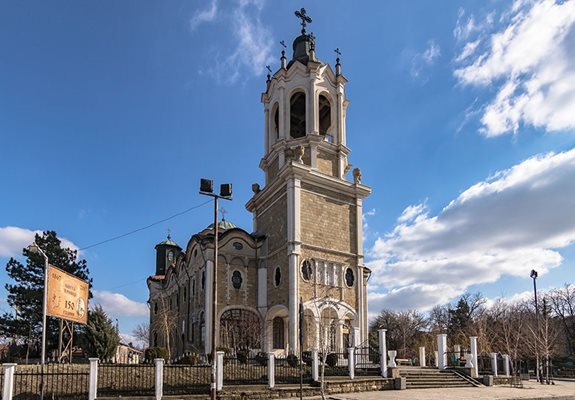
223	225
168	242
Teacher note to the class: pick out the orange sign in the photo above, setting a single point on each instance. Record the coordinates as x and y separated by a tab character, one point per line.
67	296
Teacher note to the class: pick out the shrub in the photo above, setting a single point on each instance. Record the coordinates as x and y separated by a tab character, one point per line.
243	356
152	353
306	358
262	358
331	360
189	359
292	360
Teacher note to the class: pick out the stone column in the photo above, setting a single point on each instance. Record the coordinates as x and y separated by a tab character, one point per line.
220	370
271	370
382	352
93	379
442	350
473	345
351	362
314	365
436	362
159	377
422	356
506	365
356	337
493	363
9	370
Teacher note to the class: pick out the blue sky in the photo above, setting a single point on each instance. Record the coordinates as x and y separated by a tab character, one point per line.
462	119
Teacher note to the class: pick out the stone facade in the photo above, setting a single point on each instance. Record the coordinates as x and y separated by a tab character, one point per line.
306	244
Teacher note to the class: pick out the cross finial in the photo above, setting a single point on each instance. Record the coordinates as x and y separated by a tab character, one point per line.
337	52
269	72
305	19
169	234
283	44
223	212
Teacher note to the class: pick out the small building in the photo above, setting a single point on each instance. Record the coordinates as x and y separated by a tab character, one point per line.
127	354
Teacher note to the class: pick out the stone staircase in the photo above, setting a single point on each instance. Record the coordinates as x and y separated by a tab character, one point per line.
426	378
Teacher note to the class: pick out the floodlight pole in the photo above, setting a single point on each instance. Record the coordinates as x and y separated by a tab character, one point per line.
34	248
213	382
538	371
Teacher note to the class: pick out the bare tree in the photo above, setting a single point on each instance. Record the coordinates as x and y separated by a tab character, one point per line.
165	321
562	302
142	333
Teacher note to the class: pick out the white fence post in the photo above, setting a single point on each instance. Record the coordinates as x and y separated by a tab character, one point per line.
473	343
314	365
351	362
494	363
271	370
442	350
93	388
9	370
219	370
422	356
159	378
383	352
506	365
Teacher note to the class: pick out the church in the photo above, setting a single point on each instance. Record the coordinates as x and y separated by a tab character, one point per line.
306	243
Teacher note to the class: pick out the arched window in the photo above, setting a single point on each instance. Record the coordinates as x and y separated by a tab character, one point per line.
277	277
278	333
324	115
306	271
297	115
155	339
237	279
202	328
276	122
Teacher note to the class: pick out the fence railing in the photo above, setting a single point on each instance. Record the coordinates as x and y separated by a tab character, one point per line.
245	370
367	361
336	363
126	379
61	381
287	370
187	379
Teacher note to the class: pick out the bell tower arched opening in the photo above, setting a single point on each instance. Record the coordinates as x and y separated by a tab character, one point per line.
325	117
297	115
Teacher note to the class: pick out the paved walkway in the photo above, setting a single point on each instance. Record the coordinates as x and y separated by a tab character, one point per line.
562	390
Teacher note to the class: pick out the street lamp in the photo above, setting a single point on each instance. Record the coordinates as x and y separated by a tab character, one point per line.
538	371
207	189
35	249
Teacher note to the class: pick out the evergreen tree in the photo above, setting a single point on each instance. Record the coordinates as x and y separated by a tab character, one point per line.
26	293
100	337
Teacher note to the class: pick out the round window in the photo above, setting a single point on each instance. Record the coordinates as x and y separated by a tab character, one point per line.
277	277
237	279
306	271
349	277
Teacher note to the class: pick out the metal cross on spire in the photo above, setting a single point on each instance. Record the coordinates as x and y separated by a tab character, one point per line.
283	44
223	212
269	72
305	19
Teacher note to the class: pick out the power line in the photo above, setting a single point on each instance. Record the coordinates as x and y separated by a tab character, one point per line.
146	227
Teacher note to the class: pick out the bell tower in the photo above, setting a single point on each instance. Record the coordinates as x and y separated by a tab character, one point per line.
308	210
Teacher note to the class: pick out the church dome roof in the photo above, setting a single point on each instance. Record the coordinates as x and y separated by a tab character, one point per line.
168	242
223	225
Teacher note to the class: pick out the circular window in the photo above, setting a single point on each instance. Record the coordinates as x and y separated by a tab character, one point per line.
349	277
238	245
306	271
277	277
237	279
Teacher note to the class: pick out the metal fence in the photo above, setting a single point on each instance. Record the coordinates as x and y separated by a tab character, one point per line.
126	379
367	361
187	379
60	381
336	363
287	370
245	370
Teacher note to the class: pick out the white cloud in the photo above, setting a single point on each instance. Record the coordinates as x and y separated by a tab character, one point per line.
116	304
508	224
205	15
253	43
529	59
13	239
421	61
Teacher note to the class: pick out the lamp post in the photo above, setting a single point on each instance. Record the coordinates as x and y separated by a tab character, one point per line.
207	188
35	249
533	276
